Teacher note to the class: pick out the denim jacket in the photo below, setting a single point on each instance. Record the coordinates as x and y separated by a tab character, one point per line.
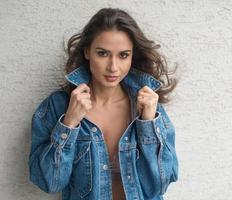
75	160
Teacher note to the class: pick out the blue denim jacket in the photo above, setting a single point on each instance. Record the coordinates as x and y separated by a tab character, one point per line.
75	160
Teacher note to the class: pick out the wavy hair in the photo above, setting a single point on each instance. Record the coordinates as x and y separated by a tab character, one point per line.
145	56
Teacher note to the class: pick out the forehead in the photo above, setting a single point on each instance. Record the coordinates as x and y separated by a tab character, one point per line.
113	39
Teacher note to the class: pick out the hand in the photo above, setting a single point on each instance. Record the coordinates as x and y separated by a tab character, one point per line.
147	101
79	105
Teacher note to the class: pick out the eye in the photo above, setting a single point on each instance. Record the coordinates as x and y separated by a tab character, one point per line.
102	53
124	55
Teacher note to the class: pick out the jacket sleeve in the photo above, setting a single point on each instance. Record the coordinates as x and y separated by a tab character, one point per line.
52	147
157	148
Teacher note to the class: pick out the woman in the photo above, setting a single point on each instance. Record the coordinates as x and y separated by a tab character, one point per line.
106	135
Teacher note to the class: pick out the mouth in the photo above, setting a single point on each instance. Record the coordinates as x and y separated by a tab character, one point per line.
111	78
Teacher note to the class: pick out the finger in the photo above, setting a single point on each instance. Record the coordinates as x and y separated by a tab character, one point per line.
84	95
83	88
88	105
145	94
146	89
139	107
147	101
80	96
153	94
148	96
86	100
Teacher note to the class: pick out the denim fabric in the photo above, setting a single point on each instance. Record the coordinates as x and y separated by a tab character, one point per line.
75	161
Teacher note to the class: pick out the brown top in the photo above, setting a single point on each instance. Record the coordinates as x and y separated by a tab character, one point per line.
114	165
117	187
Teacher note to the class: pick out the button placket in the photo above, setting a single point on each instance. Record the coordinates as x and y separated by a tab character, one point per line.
64	136
94	129
105	167
158	130
159	134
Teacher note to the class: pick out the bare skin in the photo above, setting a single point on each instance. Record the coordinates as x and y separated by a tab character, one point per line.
117	112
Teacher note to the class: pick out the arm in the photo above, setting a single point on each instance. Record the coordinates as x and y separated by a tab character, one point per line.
156	140
52	147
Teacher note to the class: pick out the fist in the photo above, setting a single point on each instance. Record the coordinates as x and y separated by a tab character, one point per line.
79	105
147	101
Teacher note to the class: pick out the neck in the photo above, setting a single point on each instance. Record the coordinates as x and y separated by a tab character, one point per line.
102	96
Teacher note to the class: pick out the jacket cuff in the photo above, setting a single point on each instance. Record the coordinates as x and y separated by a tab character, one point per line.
63	135
150	131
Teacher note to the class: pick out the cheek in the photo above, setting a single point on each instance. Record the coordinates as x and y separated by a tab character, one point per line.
127	66
94	60
96	68
95	64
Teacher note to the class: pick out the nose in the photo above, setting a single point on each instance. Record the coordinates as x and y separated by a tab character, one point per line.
112	66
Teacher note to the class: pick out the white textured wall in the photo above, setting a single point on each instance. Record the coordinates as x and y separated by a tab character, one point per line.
196	34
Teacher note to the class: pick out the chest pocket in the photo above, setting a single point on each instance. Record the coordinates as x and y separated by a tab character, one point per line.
82	168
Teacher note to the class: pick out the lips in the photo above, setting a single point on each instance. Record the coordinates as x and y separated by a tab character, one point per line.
111	78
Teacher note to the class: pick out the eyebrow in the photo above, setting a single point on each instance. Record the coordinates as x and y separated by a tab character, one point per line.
109	50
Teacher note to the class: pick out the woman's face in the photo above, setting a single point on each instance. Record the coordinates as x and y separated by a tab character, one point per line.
110	57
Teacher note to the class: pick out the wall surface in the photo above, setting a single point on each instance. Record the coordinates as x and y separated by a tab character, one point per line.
195	34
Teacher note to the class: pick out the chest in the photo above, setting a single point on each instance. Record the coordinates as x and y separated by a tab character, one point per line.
112	122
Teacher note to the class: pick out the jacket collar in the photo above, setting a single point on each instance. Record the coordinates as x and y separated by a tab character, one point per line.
135	79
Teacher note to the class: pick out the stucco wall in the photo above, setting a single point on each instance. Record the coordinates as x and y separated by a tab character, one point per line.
195	34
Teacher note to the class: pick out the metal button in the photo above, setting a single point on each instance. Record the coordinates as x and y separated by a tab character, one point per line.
94	129
64	136
126	138
128	177
105	167
158	130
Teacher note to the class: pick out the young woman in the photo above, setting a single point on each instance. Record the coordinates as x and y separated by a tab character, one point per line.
106	135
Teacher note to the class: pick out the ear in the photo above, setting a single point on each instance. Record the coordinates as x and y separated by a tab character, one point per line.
86	52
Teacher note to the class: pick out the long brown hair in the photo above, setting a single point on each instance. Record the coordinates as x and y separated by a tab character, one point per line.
145	57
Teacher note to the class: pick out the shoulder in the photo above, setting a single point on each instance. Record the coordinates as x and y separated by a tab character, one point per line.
58	96
55	103
165	116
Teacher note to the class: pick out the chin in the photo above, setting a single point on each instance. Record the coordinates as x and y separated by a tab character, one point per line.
114	84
